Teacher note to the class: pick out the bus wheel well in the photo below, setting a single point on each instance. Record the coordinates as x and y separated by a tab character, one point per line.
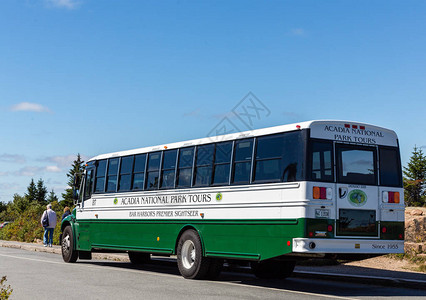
183	229
65	224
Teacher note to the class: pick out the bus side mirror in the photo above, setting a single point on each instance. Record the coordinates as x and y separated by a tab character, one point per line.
75	191
75	194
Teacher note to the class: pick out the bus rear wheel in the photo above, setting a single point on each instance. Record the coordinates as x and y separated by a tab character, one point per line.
269	269
139	258
191	262
69	254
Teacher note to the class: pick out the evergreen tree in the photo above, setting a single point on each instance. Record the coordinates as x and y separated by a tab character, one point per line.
31	194
77	169
52	197
41	192
20	203
414	179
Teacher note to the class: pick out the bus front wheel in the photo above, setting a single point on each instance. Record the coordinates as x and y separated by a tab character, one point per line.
69	254
191	262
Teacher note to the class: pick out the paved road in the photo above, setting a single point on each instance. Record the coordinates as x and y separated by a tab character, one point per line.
34	275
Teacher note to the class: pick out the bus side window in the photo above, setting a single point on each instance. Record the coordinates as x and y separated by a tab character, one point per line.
112	174
390	167
321	161
242	161
125	180
88	184
222	163
139	172
100	176
168	169
269	158
203	165
153	171
293	157
186	160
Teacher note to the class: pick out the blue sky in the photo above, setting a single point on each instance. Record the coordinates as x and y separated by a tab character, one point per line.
90	77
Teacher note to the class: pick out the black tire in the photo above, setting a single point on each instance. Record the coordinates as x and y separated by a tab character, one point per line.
191	262
269	269
69	253
216	266
139	258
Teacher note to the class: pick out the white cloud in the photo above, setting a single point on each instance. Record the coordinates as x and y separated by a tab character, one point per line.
62	160
28	171
53	169
12	158
28	106
67	4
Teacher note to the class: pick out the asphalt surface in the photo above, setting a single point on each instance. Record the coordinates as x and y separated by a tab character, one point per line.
336	273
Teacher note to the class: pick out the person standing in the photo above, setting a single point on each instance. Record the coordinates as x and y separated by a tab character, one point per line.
48	226
67	212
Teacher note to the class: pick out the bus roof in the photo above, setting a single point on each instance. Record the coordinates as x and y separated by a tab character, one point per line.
341	131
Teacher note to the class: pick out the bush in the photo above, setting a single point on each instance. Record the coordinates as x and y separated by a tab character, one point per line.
27	228
5	291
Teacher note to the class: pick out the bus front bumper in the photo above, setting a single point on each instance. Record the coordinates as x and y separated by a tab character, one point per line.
353	246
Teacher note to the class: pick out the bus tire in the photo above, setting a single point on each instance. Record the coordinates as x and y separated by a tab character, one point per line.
191	262
139	258
269	269
69	253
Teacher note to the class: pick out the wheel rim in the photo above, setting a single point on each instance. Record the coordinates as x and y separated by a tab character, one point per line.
188	254
66	244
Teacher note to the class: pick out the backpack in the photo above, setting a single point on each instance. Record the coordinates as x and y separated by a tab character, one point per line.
45	221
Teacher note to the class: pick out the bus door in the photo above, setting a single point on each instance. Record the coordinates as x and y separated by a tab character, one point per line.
357	205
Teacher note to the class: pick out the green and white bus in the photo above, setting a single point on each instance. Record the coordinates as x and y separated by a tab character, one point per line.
268	196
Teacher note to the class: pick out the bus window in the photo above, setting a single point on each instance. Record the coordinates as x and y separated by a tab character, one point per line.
112	174
203	165
321	167
390	167
222	163
153	170
168	170
100	176
186	159
126	166
139	172
268	163
242	161
88	184
357	164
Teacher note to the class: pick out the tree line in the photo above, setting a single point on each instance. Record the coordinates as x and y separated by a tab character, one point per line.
25	211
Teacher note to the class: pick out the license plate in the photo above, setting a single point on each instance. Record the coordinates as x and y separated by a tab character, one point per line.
322	213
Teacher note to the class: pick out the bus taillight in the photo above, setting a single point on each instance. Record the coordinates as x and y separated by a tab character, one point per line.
390	197
322	193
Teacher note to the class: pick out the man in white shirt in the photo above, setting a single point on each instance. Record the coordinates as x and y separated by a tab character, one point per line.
48	226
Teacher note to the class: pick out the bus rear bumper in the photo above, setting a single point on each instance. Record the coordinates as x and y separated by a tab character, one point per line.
353	246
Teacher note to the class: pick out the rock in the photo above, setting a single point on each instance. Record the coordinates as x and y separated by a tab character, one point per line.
416	212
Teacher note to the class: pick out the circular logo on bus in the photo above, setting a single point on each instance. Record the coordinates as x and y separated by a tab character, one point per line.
115	200
219	196
357	198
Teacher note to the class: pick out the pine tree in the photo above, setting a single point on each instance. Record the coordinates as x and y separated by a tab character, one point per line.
52	197
77	169
31	194
414	179
41	192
